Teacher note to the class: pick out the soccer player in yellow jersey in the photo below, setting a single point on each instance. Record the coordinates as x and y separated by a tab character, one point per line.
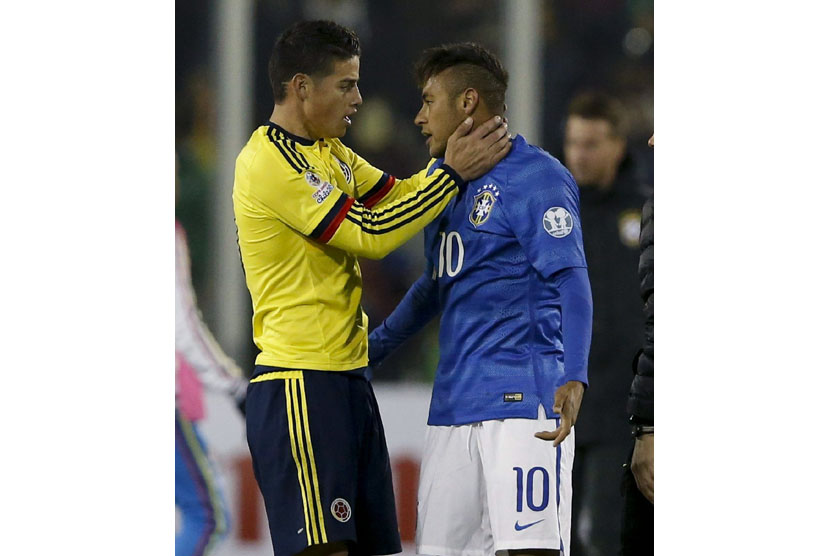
306	207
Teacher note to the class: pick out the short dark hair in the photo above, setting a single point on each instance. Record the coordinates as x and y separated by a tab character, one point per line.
473	66
594	105
309	47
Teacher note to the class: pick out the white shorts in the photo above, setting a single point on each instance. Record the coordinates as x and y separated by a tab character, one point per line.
493	486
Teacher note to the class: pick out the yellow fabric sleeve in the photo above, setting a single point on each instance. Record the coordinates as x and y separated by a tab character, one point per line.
376	188
300	200
375	232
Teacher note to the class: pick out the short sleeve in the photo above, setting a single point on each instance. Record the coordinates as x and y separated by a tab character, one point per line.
542	209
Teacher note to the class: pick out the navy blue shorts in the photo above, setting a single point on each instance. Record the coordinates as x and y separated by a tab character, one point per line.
320	458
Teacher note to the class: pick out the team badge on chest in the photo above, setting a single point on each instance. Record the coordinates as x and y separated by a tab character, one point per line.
347	172
483	202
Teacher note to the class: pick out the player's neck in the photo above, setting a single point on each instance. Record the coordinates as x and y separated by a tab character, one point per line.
290	119
480	115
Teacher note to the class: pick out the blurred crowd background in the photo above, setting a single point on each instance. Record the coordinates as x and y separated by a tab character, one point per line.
600	45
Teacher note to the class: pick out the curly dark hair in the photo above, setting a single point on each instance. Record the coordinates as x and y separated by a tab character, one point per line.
309	47
472	66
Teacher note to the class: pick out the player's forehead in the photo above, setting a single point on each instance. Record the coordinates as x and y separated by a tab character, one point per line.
345	70
437	84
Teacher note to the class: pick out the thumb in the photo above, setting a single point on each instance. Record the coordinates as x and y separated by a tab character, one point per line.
463	128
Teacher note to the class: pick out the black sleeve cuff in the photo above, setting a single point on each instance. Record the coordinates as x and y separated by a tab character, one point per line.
453	174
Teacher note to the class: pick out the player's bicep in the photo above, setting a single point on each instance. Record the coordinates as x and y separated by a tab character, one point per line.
547	223
302	201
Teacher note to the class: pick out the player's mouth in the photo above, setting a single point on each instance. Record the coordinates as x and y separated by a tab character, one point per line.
348	119
429	136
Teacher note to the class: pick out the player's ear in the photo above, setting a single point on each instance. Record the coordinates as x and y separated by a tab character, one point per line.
469	101
300	84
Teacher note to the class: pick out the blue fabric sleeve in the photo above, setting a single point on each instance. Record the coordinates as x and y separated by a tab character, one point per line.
416	309
542	207
577	317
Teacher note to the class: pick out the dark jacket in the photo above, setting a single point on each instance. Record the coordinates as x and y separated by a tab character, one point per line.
641	395
610	224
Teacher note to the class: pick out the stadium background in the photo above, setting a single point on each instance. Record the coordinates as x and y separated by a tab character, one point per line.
552	49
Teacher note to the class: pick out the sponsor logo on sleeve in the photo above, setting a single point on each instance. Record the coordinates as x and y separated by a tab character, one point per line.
558	222
313	179
323	188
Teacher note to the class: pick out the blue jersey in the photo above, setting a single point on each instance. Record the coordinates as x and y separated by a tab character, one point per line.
492	253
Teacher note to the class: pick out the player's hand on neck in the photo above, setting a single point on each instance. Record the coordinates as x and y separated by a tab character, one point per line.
479	142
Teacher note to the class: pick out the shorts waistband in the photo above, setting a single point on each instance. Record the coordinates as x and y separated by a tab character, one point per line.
263	373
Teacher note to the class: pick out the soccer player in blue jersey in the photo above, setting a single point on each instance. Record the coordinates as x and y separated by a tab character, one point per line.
506	268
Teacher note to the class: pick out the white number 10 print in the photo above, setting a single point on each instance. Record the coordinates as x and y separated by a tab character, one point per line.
448	252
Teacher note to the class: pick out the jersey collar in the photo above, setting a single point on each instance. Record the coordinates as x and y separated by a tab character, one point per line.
297	138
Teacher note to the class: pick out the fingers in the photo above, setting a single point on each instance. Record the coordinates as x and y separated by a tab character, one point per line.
462	129
563	434
645	482
494	123
499	150
643	472
558	435
496	136
548	435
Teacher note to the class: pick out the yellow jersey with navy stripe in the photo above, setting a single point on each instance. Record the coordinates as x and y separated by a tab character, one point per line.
305	210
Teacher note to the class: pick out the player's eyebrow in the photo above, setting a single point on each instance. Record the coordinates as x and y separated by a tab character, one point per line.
425	95
348	81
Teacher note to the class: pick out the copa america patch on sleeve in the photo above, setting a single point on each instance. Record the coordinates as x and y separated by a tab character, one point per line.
558	222
323	188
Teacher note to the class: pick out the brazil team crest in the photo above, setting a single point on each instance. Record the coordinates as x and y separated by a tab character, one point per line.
486	197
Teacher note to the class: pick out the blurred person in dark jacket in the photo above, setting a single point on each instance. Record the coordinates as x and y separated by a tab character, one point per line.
611	200
638	481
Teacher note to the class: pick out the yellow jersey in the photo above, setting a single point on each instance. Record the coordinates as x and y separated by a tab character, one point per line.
305	210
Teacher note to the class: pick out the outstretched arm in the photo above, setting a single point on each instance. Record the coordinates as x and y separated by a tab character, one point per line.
416	309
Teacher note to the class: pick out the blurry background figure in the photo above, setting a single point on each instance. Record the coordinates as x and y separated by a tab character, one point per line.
638	481
200	362
610	200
